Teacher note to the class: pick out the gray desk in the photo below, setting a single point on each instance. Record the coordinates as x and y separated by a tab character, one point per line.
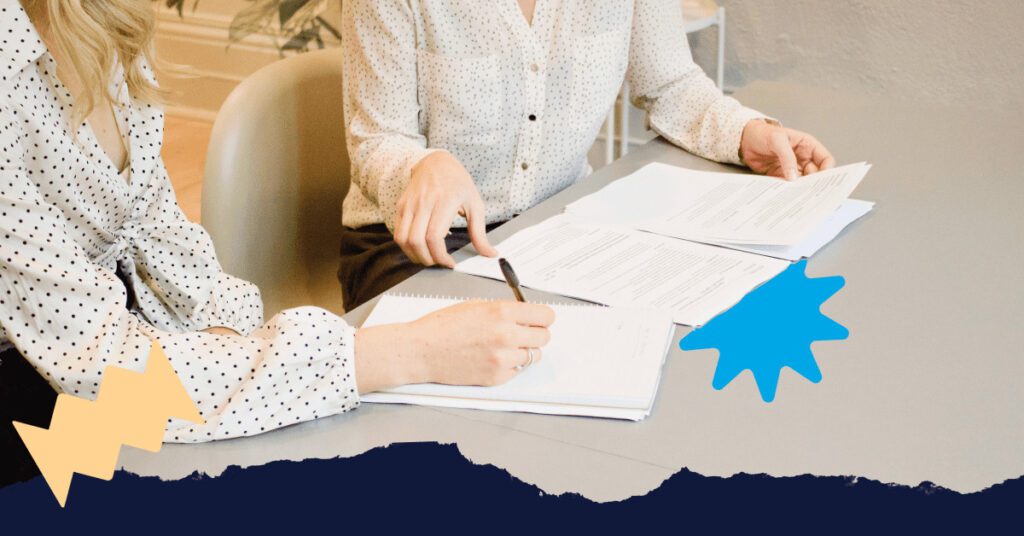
929	386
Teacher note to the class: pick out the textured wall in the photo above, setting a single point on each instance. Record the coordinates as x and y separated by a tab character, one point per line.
938	50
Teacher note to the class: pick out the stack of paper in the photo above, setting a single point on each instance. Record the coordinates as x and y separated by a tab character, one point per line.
850	211
691	243
615	265
601	362
753	213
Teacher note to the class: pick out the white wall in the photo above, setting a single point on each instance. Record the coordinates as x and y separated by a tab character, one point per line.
939	50
949	51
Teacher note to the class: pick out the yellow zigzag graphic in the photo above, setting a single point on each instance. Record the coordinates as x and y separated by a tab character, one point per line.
86	437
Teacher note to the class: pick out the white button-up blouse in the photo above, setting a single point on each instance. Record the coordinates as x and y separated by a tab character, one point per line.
518	104
69	220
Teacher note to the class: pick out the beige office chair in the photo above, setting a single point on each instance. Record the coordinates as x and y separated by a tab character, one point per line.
276	172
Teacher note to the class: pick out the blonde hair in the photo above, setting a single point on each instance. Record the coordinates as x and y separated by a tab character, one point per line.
97	35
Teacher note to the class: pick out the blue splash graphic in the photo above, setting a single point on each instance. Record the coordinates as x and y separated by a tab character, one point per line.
771	328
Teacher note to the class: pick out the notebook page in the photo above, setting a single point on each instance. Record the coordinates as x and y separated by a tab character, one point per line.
597	356
627	414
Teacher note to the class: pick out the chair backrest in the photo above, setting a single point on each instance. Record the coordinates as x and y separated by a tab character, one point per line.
277	170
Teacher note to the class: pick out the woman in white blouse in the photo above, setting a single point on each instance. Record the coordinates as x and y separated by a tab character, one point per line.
97	261
464	114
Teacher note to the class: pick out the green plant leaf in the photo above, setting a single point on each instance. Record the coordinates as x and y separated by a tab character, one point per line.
301	40
300	31
330	29
289	8
252	19
177	5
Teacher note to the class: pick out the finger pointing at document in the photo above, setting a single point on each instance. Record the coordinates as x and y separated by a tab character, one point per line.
439	189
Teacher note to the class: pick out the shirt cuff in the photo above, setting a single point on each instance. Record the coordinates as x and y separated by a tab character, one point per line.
235	304
391	187
344	370
732	135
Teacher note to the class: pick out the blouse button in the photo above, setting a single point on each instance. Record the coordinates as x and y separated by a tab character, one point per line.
533	117
535	67
525	166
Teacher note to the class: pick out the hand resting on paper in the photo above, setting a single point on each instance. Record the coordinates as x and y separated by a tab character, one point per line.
438	190
782	152
472	343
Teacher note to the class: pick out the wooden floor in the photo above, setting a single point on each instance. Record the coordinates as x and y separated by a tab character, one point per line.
184	153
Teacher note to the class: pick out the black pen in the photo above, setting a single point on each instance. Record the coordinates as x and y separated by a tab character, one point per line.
511	279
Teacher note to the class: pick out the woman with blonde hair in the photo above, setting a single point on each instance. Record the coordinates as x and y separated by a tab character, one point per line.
97	261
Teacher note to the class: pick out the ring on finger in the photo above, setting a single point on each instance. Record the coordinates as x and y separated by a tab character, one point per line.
529	361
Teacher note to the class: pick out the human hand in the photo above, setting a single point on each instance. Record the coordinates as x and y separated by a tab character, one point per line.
439	188
482	343
472	343
782	152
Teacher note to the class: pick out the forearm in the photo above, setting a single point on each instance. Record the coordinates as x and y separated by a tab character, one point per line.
381	100
388	356
297	367
684	105
712	129
382	167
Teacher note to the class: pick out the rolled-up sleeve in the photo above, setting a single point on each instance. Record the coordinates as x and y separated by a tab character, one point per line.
684	105
380	99
178	281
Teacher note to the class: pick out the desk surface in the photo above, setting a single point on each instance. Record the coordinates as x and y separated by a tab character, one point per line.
928	387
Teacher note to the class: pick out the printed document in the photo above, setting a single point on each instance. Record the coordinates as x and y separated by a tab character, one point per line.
618	266
850	211
722	207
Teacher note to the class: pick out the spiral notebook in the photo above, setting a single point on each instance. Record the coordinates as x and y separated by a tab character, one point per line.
601	362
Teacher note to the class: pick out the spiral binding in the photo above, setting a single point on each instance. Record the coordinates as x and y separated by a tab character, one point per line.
458	299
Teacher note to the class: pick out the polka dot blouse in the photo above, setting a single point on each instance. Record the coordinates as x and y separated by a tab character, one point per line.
69	221
518	104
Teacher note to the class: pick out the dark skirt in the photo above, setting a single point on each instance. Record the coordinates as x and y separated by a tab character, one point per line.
28	398
24	397
372	263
